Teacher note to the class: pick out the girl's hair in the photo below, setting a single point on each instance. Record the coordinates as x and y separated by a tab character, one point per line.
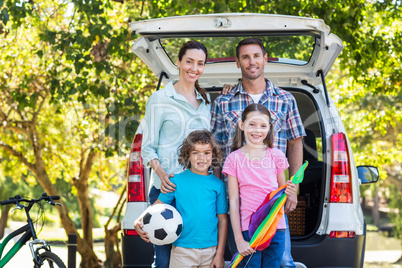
239	138
204	137
195	45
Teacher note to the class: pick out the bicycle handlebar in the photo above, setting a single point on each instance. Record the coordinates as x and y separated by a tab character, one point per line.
16	199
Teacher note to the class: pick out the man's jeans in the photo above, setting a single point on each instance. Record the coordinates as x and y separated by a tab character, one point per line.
287	260
162	253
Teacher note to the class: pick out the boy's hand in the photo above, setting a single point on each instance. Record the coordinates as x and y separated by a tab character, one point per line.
218	262
138	227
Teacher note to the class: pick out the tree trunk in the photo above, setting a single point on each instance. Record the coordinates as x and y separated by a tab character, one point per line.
88	256
112	247
83	195
4	219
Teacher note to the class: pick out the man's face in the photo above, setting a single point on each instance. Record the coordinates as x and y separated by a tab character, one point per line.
251	61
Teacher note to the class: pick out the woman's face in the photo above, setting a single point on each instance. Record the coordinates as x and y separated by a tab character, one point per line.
191	65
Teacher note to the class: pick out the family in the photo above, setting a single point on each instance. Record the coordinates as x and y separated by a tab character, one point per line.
240	144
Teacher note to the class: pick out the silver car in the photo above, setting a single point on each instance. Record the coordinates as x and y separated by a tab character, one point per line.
327	228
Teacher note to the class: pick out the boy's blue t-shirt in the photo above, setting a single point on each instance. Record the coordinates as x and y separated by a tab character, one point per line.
199	199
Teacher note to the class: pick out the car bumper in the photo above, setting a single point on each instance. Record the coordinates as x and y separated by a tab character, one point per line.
323	251
136	252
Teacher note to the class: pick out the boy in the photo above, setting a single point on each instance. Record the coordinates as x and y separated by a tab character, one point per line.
201	201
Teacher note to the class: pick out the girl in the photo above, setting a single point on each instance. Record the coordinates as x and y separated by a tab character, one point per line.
201	201
253	171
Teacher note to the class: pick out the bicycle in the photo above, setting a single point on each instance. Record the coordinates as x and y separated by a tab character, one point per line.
40	249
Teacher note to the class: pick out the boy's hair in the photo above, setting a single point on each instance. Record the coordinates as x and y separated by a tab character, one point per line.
239	138
204	137
250	41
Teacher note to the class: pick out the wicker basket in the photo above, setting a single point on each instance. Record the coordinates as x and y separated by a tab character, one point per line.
297	218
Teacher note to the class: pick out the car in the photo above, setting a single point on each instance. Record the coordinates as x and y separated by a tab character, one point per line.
327	228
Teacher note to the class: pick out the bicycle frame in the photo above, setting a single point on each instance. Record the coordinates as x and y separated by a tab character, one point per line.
17	246
29	233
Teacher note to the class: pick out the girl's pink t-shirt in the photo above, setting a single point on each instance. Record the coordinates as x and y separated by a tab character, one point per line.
256	179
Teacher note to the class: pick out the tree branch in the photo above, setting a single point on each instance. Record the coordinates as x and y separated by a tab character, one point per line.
18	155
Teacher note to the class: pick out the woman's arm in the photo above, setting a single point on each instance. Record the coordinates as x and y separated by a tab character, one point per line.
243	247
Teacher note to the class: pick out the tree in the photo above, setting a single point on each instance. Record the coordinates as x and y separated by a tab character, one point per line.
66	96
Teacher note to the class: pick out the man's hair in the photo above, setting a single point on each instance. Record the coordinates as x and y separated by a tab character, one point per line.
204	137
250	41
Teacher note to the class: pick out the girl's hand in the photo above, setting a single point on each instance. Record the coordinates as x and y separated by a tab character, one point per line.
226	89
167	186
138	227
291	188
243	247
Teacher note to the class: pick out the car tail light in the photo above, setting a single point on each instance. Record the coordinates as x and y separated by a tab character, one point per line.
342	234
130	232
341	185
135	173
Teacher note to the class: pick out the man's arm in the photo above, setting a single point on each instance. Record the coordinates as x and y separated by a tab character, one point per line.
295	158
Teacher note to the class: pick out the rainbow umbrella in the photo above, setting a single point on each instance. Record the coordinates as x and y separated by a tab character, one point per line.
264	221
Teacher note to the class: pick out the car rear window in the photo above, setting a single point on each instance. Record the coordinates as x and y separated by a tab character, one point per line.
294	50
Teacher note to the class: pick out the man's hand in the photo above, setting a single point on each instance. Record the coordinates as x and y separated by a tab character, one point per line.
291	202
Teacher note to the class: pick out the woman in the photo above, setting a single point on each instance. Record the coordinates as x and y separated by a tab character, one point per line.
171	114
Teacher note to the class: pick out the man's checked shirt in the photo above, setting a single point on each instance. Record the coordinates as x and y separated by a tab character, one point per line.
227	109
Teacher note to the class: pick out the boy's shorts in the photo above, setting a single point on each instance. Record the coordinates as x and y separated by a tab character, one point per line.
191	257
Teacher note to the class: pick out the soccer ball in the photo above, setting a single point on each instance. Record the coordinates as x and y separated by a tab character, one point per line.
163	224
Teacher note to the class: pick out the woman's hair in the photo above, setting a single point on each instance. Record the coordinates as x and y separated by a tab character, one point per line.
204	137
195	45
239	138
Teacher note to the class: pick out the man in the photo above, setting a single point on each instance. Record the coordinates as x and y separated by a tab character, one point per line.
254	88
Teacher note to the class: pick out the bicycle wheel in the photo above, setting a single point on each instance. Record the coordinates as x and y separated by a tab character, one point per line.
51	260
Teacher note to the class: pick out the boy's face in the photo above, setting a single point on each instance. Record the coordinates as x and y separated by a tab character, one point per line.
201	158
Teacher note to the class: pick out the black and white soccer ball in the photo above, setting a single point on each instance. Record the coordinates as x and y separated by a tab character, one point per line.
163	224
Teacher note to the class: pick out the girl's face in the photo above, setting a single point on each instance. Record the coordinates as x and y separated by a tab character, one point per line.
201	158
255	128
191	65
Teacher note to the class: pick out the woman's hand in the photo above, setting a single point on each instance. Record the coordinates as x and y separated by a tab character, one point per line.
243	247
167	186
226	89
138	227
